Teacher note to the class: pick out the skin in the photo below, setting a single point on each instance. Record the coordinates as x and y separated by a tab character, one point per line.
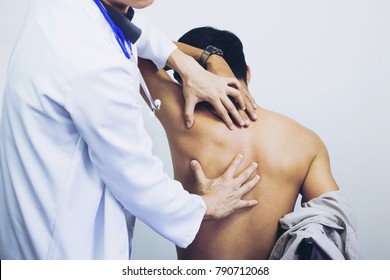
292	160
199	85
123	5
222	195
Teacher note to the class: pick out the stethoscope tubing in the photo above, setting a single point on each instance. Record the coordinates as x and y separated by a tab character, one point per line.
120	37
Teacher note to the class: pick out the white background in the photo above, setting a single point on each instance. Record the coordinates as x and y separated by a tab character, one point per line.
324	63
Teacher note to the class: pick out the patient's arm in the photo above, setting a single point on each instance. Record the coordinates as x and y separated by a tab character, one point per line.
319	178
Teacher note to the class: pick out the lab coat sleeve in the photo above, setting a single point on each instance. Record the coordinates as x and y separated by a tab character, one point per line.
153	44
104	108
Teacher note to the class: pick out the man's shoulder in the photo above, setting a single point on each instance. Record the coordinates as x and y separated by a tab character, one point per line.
282	120
289	128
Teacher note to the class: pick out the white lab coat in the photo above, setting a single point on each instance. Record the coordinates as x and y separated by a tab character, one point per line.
74	152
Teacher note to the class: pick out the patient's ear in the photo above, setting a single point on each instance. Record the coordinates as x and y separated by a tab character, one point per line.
248	74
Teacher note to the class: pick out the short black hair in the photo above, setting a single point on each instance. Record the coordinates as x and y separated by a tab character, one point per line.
225	40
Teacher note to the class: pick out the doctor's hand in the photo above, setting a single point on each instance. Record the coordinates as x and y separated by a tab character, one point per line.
201	85
223	194
217	65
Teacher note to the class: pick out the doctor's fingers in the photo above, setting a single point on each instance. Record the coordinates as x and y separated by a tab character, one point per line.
244	204
232	111
221	111
244	116
243	190
233	166
250	104
244	175
247	173
248	186
234	90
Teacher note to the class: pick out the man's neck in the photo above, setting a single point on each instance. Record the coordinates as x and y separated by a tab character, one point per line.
121	8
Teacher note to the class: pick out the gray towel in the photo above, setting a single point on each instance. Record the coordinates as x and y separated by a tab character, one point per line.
328	220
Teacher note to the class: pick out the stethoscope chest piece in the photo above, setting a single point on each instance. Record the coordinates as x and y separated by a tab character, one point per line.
157	104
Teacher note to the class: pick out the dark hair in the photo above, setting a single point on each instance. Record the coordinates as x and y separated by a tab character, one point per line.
225	40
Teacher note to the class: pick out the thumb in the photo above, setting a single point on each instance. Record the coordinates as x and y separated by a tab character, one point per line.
189	112
198	173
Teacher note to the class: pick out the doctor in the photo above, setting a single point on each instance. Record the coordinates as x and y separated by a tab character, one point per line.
75	158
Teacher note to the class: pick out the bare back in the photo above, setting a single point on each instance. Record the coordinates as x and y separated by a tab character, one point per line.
284	149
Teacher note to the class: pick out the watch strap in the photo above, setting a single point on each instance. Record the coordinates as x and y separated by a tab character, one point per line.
210	50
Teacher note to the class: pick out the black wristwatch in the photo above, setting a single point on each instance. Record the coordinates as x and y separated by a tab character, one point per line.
207	53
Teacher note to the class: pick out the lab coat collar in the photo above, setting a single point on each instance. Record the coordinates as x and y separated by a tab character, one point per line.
129	29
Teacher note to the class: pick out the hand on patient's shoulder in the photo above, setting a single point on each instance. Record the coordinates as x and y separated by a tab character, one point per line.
217	65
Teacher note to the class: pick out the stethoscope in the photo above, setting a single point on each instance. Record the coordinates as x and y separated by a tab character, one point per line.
122	41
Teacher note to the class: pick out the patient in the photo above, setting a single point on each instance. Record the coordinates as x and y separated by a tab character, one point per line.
292	159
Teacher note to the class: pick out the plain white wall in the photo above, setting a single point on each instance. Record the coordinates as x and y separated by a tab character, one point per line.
324	63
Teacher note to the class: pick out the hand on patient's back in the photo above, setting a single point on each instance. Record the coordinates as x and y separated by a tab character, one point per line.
223	194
